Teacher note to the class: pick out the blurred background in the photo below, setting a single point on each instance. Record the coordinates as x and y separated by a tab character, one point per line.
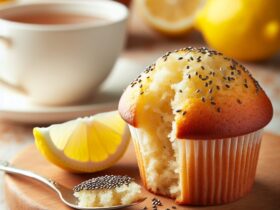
246	30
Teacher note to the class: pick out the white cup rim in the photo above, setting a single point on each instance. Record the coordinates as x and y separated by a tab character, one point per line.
120	11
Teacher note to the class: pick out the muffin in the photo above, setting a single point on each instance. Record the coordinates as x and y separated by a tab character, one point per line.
196	119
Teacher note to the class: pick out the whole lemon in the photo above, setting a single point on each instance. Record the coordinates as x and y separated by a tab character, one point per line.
243	29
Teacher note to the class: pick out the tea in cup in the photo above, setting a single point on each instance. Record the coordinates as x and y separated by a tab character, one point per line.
59	53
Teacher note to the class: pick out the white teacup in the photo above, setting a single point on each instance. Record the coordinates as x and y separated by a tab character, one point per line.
60	63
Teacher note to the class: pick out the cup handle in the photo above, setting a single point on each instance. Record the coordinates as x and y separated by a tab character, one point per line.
13	87
6	41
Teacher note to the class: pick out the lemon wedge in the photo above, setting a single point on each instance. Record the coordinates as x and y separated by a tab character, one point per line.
171	17
87	144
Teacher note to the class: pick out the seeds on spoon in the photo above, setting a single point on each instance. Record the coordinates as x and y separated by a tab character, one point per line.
106	182
108	190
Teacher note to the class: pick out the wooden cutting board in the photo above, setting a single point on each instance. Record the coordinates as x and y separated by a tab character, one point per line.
23	193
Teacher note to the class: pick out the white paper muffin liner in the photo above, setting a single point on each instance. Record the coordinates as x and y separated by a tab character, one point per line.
210	171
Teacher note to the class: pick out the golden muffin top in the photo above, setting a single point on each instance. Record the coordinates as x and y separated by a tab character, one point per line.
211	96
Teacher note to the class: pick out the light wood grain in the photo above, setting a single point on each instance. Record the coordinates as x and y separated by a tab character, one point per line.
23	193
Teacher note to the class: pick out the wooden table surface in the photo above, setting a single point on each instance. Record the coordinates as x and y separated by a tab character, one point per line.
143	47
264	195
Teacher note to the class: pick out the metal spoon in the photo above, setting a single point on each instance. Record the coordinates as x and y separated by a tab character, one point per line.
65	194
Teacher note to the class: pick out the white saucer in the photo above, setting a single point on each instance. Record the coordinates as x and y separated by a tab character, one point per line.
17	107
